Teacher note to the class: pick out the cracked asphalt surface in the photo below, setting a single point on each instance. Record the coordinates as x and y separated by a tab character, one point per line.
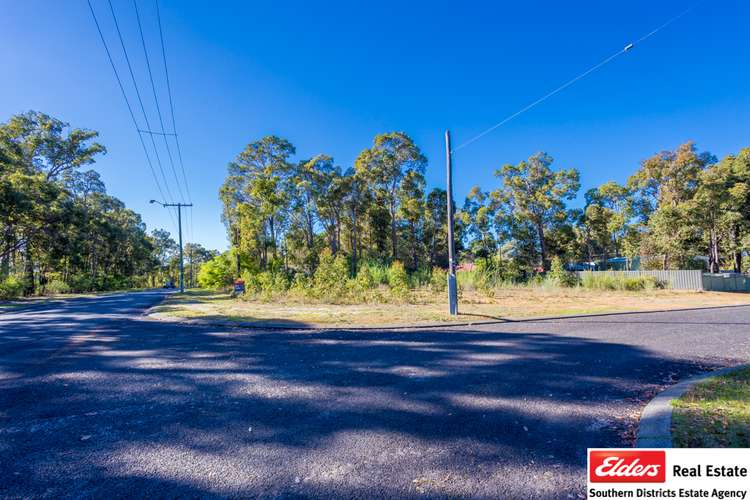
97	401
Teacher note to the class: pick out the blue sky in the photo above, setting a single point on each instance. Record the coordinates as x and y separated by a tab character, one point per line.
330	75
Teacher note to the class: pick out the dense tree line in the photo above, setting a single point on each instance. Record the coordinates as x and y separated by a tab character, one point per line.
680	209
280	212
61	231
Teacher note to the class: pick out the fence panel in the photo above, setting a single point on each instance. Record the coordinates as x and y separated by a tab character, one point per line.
678	280
726	282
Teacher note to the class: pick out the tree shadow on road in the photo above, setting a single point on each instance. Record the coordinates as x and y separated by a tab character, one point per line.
96	405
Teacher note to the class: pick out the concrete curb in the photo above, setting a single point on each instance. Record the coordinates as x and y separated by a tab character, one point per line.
655	427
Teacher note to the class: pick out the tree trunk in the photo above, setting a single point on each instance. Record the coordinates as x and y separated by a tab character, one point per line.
355	243
542	245
309	234
29	285
414	257
337	226
394	249
273	235
737	252
713	252
431	256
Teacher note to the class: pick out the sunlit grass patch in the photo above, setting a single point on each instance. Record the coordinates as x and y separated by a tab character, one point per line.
714	413
427	306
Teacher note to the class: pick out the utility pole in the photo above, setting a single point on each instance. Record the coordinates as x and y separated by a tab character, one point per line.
179	230
452	288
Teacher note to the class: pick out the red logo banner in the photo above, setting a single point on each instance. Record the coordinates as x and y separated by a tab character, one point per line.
627	466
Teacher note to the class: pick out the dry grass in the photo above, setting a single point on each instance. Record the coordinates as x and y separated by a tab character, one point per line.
426	307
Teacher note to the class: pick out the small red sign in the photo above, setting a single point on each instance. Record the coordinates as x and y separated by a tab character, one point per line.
627	466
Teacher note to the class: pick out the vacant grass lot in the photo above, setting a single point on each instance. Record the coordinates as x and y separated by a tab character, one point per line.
427	307
715	413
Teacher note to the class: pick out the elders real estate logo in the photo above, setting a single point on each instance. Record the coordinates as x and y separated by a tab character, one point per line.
627	466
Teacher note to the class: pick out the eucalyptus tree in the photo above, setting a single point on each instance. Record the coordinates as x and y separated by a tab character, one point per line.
355	202
478	216
256	196
436	228
719	208
385	164
668	178
532	194
411	212
605	219
332	191
36	150
661	187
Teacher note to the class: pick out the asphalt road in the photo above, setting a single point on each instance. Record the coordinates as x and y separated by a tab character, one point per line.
97	401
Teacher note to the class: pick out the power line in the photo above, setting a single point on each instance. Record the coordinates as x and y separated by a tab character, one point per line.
127	103
140	101
577	78
171	102
156	133
156	100
174	124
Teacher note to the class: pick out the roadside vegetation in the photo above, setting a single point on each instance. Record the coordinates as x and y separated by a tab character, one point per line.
714	413
309	232
60	232
371	233
389	295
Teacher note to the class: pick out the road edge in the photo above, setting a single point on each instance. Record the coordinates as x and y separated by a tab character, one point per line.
655	425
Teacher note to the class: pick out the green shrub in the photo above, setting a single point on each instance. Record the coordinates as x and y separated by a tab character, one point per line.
378	271
267	284
398	280
490	273
559	276
419	278
618	281
439	280
466	280
594	281
641	283
82	283
57	286
331	276
301	285
217	273
365	279
11	288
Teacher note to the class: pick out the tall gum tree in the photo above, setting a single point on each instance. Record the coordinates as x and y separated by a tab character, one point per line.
256	196
531	192
385	164
662	184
